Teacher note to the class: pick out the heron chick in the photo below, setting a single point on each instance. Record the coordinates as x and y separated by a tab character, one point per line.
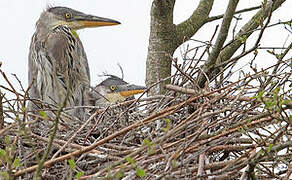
57	60
112	90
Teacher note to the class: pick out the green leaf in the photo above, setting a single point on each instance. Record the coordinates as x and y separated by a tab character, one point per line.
147	142
174	163
275	97
5	175
16	163
109	174
269	104
7	140
72	163
277	90
284	102
44	114
261	94
151	146
79	174
270	147
2	153
168	121
151	151
122	165
119	175
130	160
140	172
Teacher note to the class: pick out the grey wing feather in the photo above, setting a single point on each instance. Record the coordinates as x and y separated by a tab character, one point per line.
55	62
32	68
47	61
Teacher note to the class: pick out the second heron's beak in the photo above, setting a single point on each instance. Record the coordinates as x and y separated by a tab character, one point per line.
130	90
86	21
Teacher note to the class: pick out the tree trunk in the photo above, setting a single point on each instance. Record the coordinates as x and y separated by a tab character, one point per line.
161	45
165	37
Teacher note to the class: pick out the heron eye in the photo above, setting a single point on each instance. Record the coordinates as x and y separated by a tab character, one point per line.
67	15
113	87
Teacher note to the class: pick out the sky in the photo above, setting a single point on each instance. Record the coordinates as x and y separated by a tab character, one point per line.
106	47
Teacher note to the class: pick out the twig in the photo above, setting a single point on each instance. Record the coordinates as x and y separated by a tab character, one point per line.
11	86
61	142
94	126
236	12
1	112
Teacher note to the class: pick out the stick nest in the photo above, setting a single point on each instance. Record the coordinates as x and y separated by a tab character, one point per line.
228	130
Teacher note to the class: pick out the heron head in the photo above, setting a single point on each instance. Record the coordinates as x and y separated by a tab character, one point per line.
55	16
114	89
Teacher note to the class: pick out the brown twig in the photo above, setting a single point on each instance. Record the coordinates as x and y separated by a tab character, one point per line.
1	112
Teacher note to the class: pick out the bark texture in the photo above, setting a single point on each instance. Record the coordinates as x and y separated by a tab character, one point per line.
161	44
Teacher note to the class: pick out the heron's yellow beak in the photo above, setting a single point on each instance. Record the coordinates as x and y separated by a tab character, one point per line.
94	21
124	91
131	92
97	23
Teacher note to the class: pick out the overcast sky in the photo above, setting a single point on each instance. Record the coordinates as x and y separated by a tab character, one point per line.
125	44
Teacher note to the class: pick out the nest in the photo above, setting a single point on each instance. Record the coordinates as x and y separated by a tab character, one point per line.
230	130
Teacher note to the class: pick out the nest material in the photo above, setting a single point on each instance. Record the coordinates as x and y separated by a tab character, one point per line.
229	132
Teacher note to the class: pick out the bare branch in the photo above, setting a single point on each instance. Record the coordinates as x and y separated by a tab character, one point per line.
1	111
213	18
245	31
221	36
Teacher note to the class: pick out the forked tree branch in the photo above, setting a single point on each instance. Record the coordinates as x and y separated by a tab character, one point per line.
222	33
189	27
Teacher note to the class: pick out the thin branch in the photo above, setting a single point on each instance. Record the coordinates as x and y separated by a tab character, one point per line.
74	135
245	31
1	111
61	142
12	87
280	58
220	39
213	18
